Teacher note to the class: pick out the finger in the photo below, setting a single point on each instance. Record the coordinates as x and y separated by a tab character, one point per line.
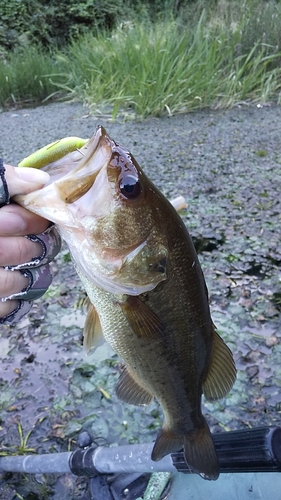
24	180
11	282
18	250
7	307
15	220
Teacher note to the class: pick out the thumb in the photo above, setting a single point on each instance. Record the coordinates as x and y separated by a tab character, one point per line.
23	180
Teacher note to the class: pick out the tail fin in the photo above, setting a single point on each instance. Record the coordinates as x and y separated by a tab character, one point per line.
166	442
199	450
200	453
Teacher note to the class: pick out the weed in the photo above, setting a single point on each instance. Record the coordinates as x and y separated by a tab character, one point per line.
22	448
261	152
225	54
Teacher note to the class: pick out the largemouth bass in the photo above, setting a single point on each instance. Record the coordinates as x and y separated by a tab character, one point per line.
147	293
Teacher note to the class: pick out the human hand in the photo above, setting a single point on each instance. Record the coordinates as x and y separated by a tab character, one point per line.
25	274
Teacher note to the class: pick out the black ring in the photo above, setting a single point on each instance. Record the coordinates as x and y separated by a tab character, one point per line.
5	200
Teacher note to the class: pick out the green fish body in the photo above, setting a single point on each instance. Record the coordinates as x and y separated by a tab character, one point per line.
147	292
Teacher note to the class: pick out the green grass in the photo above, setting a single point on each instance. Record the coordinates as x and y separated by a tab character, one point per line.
22	448
26	77
208	58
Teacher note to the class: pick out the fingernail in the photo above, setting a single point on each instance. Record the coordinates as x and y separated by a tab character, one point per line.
32	175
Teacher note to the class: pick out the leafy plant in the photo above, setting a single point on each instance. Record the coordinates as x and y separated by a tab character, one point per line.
22	448
55	23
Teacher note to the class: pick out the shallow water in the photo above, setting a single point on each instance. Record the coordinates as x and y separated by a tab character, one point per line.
227	165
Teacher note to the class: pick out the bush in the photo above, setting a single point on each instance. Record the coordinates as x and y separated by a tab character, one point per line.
55	23
13	22
49	22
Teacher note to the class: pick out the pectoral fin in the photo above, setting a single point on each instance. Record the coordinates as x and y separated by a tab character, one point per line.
129	391
222	372
143	321
93	336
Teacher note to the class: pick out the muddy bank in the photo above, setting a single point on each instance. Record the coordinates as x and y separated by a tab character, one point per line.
227	166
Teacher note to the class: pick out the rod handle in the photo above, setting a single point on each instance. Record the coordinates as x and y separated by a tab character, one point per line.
247	450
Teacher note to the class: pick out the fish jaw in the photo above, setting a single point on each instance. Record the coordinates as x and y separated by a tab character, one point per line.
71	177
85	203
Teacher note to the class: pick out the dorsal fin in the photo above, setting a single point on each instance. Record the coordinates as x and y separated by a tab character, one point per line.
222	372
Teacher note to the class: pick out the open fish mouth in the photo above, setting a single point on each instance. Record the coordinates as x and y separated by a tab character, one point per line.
84	198
71	176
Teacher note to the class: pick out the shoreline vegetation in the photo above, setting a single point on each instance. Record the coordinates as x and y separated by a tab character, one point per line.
214	54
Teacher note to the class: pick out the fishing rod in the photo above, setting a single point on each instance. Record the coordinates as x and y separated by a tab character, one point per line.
128	473
248	450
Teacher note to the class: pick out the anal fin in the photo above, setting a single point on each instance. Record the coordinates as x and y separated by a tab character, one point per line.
222	372
128	390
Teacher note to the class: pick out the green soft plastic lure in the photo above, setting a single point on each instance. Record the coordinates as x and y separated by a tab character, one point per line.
52	152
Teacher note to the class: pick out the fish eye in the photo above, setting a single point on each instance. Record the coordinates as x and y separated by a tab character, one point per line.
130	186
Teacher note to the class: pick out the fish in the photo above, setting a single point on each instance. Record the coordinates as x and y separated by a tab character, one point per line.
147	294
